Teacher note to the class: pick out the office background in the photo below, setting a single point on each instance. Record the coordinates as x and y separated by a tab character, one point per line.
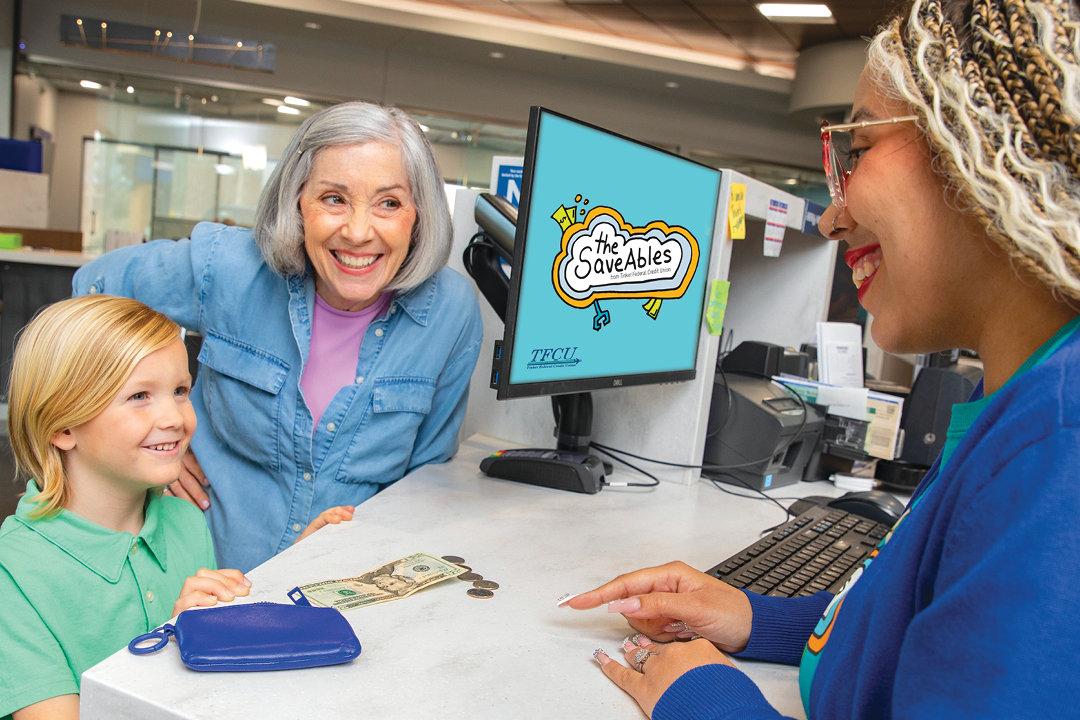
141	145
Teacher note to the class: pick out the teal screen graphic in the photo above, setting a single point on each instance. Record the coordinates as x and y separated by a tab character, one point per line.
613	279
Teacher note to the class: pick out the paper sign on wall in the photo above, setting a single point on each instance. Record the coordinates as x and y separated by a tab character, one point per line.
714	313
737	212
775	225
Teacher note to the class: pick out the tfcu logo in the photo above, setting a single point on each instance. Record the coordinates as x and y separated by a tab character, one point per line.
553	357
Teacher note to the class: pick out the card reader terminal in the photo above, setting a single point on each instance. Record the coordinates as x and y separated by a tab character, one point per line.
557	469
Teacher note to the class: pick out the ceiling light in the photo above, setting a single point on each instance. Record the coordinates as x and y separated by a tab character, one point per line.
671	84
497	55
797	12
90	84
285	109
313	26
272	101
223	169
130	89
290	100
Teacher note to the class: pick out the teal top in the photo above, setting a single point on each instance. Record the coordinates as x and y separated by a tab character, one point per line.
74	592
964	415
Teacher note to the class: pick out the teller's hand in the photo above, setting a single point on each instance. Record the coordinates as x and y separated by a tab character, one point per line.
676	601
659	666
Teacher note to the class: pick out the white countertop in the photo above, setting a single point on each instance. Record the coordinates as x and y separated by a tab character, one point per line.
46	256
441	653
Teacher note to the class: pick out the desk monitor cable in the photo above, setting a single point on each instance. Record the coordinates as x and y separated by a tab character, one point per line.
615	453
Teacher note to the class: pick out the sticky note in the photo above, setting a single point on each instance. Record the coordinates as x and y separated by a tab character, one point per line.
737	212
714	314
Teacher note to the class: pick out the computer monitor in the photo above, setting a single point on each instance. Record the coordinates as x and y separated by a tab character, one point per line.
610	257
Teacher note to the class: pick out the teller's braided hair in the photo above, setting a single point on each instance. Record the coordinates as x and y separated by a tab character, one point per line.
996	86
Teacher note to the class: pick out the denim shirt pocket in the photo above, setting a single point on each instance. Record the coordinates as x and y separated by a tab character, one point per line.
380	451
242	393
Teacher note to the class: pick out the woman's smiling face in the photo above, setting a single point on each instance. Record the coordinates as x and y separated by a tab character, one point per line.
916	260
359	216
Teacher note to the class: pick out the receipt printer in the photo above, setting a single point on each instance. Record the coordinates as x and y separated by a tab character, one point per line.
759	434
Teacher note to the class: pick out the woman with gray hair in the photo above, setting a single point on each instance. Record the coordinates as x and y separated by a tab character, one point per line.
337	347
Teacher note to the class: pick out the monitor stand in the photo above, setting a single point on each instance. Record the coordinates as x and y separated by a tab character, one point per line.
569	466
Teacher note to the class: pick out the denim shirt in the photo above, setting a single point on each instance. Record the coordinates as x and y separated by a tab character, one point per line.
270	472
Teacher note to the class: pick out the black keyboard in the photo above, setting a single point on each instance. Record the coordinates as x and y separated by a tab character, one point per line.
818	550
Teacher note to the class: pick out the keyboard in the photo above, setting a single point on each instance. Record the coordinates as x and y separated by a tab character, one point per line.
818	550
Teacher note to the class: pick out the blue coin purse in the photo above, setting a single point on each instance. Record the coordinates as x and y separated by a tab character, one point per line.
256	636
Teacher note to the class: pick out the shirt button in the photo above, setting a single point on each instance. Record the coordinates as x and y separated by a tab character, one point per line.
134	549
307	476
393	309
297	527
360	380
92	291
149	596
378	332
331	427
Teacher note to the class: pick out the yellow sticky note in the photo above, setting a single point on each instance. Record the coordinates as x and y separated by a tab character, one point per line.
714	313
737	212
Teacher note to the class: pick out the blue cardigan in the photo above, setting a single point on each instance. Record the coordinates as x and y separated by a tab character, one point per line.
966	611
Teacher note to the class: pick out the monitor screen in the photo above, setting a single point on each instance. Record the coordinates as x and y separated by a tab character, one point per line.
610	261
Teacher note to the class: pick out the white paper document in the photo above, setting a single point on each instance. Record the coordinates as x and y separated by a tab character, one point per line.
775	225
840	354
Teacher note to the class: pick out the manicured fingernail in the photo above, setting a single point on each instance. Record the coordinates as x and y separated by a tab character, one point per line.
636	639
204	504
676	627
565	599
687	634
627	645
597	654
247	582
624	606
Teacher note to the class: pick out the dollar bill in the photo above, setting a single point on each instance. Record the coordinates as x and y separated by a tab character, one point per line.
392	581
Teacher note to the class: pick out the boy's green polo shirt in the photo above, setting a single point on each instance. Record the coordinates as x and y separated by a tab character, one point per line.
74	593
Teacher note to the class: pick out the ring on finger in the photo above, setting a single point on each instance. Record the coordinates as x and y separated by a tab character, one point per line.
641	656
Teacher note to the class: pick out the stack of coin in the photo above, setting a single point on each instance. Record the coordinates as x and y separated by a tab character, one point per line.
481	588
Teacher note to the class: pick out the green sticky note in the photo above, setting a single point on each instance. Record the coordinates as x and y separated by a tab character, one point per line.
714	314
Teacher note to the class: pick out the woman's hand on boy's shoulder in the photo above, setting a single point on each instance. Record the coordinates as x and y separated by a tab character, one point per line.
191	482
206	587
327	517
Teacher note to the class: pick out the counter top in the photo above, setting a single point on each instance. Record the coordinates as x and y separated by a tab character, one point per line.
441	653
46	256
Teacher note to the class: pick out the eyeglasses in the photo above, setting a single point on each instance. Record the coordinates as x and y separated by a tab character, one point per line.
836	172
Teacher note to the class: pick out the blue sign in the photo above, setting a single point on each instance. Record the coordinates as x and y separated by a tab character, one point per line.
509	183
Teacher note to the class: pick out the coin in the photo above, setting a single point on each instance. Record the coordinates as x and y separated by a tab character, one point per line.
453	559
482	594
470	577
486	585
466	568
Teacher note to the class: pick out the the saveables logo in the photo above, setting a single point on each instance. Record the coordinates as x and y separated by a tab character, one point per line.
553	358
604	257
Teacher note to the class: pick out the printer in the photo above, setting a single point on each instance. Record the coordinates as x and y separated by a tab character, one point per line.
759	434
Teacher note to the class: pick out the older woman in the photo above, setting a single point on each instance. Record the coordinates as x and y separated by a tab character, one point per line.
337	347
960	199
